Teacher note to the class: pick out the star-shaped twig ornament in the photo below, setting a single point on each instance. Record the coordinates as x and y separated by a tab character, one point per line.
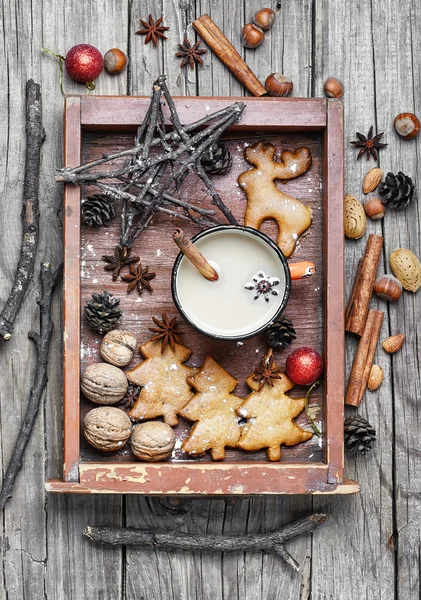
147	182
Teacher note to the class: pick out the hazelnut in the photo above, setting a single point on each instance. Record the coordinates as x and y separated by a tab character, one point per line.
333	88
393	343
264	18
278	85
103	383
375	378
252	36
152	441
117	347
115	61
107	428
407	125
373	207
388	288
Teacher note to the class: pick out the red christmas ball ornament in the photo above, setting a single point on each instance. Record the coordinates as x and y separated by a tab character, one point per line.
304	366
84	63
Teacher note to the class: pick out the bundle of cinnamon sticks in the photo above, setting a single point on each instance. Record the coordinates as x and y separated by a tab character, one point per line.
363	321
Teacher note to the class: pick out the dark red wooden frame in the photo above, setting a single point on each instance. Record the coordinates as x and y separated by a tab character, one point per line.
265	114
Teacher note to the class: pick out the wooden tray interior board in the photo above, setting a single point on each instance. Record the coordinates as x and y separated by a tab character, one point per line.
156	249
102	124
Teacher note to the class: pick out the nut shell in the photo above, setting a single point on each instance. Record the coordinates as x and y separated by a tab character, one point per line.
103	383
252	36
264	18
278	85
407	125
407	268
107	428
388	288
355	221
372	180
152	441
115	61
373	207
375	378
333	88
393	343
117	347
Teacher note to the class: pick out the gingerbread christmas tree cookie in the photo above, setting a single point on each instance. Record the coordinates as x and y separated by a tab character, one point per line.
213	408
163	376
266	201
270	412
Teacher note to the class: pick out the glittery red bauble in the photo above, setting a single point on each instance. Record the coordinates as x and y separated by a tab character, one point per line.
304	366
84	63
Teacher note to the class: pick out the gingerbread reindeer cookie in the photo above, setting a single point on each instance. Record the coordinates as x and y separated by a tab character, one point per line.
213	409
270	412
162	375
266	201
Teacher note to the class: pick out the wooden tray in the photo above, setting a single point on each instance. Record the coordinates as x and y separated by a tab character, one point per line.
94	125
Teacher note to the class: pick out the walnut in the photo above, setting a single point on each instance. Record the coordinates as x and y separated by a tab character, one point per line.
103	383
152	441
117	347
107	428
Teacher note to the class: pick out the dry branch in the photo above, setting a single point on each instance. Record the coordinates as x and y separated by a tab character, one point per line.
35	136
42	343
272	541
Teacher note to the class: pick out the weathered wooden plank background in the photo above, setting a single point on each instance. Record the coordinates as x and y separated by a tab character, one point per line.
370	547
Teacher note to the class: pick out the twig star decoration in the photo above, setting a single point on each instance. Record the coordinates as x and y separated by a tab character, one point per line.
147	182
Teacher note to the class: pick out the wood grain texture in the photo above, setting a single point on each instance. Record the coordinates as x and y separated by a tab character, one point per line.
359	527
104	25
402	229
23	529
349	557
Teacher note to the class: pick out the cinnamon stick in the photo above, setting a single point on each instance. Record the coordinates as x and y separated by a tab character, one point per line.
225	51
363	360
359	301
194	255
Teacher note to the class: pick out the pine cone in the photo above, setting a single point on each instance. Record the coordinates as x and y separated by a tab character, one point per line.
359	434
217	160
281	333
103	312
97	210
397	191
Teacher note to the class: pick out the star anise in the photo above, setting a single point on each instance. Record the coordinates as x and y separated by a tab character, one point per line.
267	371
139	277
121	257
153	30
167	331
369	145
130	397
190	54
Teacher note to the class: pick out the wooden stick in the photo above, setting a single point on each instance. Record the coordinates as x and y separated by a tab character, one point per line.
225	51
42	343
35	136
272	541
364	358
196	258
359	302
